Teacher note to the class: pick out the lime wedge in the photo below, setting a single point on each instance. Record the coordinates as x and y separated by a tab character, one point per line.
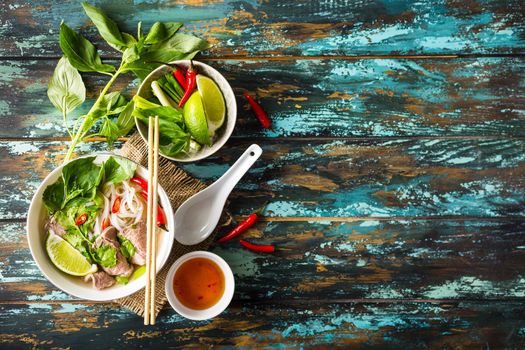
195	119
66	258
213	102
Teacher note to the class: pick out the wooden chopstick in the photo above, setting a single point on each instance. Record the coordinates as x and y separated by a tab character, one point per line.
147	298
154	196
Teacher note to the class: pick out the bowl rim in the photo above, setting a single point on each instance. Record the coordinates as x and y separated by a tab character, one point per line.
213	311
227	133
34	211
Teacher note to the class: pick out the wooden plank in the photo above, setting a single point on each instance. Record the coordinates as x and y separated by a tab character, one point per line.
278	28
285	325
419	259
343	178
327	98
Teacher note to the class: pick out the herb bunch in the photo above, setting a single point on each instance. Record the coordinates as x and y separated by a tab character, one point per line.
110	116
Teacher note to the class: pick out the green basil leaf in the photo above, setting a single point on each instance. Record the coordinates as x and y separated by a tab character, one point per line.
177	147
105	255
66	90
118	169
81	53
131	54
129	40
161	31
110	131
81	177
111	103
151	59
107	28
182	43
53	196
173	136
125	121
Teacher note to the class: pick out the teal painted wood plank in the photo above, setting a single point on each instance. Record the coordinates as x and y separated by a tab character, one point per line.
312	98
373	178
494	325
379	260
277	28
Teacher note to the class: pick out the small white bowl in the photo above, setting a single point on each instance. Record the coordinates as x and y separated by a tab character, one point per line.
224	132
73	285
222	304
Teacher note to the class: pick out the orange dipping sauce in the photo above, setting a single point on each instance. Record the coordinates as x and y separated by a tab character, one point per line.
199	283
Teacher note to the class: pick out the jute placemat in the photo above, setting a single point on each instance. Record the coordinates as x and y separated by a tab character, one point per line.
179	186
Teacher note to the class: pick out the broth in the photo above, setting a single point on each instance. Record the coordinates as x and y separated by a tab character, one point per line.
199	283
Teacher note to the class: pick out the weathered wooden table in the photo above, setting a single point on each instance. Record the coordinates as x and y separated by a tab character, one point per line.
395	173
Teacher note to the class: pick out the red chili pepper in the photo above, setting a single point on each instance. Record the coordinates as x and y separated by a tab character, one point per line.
116	205
258	111
191	81
81	219
258	247
243	226
161	218
179	74
141	182
105	223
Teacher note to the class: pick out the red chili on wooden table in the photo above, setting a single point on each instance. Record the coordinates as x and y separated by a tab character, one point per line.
81	219
191	81
258	111
242	227
260	248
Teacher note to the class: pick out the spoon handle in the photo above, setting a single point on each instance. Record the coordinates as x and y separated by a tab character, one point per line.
230	178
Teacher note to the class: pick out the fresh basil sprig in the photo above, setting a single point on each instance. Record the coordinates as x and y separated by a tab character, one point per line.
111	113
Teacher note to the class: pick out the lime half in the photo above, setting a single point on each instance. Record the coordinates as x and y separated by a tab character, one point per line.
195	119
213	102
66	258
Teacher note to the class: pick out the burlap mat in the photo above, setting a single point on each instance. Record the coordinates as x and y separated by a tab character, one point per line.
179	186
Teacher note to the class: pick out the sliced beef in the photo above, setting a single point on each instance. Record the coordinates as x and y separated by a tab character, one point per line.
53	225
100	280
137	237
109	237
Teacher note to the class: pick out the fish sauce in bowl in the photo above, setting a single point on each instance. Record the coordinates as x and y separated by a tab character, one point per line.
199	283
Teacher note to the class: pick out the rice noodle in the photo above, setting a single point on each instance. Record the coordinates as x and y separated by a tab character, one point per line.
130	211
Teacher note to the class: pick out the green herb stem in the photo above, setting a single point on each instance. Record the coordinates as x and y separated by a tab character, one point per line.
83	129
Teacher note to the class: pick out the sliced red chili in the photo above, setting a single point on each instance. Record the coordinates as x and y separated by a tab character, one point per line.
81	219
141	182
258	111
116	205
258	247
242	227
161	218
105	223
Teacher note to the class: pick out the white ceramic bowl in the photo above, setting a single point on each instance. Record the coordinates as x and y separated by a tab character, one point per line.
75	286
222	304
224	132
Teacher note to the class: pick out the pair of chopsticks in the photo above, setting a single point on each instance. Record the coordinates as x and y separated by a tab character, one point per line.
151	240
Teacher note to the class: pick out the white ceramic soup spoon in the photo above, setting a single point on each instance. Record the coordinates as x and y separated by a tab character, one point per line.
198	216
